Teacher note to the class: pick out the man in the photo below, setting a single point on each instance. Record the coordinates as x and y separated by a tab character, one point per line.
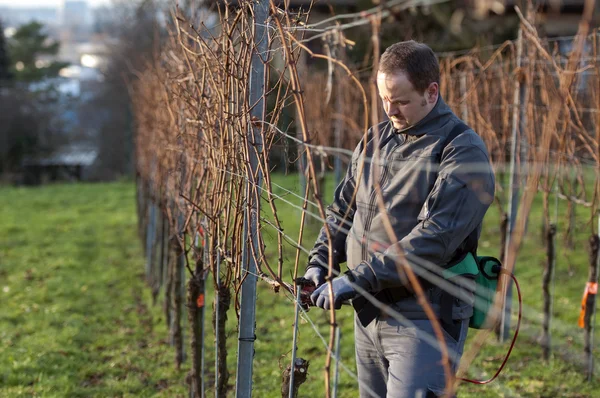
437	183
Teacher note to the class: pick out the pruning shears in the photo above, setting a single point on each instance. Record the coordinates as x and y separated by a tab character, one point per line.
307	287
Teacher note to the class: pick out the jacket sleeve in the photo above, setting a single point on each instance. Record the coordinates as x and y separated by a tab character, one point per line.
339	217
455	207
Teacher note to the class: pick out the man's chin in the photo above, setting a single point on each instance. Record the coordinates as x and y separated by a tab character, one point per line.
399	125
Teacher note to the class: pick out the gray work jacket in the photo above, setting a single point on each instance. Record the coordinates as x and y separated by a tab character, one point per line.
434	197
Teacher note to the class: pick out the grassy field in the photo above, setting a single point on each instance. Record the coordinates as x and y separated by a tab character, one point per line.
77	319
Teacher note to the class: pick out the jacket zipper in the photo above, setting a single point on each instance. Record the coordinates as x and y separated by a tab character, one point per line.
371	203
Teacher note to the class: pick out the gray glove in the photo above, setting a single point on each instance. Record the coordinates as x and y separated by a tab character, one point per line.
342	291
316	275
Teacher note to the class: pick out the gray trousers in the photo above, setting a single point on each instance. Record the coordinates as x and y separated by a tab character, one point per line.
395	361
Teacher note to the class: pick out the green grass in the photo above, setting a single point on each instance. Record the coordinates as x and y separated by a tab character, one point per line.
77	319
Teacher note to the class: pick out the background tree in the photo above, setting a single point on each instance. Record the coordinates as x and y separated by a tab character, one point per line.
449	26
26	127
139	32
26	46
5	74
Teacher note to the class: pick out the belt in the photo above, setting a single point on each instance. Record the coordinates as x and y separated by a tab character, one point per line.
366	311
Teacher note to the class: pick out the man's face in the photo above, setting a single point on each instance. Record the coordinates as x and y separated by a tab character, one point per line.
404	105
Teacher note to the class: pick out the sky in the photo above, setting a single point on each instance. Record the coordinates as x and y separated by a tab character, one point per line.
45	3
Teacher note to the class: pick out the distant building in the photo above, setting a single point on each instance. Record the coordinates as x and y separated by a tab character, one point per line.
75	28
74	13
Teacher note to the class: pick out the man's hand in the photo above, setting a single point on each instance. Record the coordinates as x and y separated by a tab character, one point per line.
342	291
316	275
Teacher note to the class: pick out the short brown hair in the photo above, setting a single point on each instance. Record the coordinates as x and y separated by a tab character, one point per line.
415	59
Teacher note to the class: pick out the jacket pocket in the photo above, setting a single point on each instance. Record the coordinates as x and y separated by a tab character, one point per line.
433	199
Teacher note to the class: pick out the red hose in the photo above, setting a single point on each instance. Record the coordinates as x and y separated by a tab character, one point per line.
512	344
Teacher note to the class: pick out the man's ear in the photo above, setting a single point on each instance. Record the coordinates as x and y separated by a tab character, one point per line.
432	92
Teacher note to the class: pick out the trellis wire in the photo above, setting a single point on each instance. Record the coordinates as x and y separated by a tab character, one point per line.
215	183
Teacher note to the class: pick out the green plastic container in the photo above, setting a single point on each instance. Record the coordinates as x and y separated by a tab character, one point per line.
486	271
485	291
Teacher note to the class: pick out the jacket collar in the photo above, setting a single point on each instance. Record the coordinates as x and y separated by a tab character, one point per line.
440	110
